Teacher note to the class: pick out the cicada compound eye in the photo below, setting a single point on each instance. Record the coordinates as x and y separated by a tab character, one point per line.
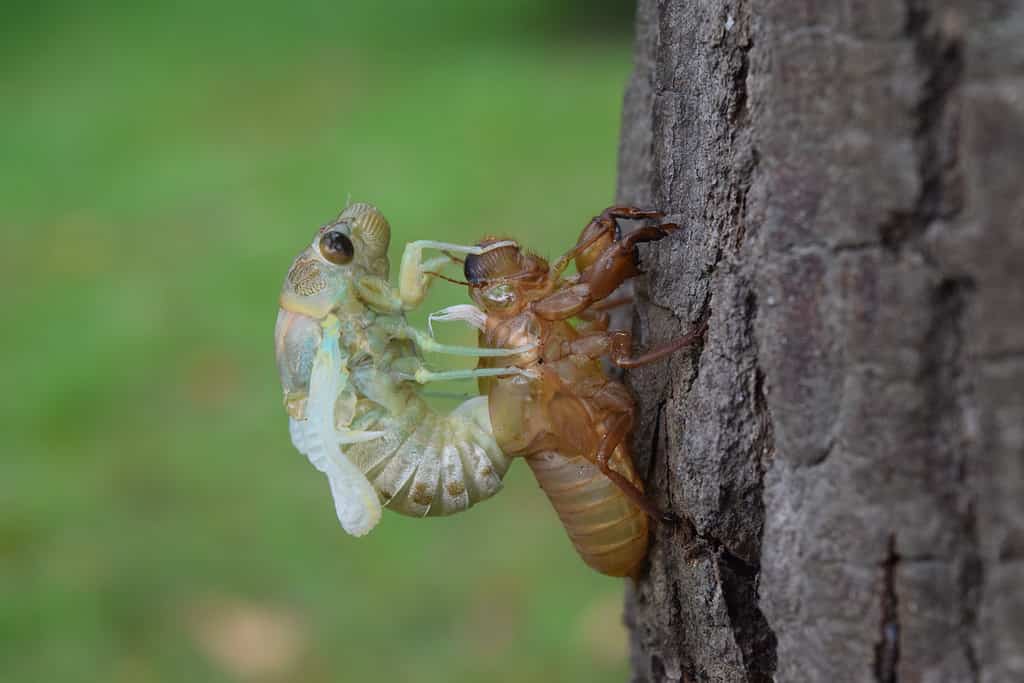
499	296
473	270
336	247
493	264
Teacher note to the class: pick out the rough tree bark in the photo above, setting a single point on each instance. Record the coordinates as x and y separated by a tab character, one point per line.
848	442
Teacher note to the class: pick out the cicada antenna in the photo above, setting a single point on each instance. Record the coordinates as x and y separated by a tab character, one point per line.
445	277
452	256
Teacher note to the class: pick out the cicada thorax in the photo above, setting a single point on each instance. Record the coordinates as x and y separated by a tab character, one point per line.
428	464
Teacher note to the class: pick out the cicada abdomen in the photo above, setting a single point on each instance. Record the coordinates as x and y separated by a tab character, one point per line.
608	530
428	464
407	456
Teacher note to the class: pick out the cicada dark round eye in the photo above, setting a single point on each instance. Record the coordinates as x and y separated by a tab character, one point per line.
492	264
336	247
474	270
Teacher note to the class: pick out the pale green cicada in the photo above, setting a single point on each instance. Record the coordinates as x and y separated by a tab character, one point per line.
351	370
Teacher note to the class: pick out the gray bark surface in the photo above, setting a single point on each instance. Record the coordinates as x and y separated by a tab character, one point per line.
847	445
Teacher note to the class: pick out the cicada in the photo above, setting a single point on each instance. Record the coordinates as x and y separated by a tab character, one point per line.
351	368
564	414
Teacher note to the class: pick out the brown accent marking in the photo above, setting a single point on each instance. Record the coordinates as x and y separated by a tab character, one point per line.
305	278
422	495
609	548
596	528
590	505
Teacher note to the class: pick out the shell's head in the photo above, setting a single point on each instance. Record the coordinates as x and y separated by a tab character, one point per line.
354	244
502	280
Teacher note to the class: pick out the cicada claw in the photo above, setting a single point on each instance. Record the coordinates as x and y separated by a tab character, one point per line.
467	313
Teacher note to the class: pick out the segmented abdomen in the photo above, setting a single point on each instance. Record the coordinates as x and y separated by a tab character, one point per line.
429	464
608	530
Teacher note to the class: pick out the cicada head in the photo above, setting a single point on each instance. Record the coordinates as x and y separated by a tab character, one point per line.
501	280
321	281
353	245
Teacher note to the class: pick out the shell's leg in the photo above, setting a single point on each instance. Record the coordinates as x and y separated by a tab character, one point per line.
615	439
614	399
617	345
414	275
604	225
622	347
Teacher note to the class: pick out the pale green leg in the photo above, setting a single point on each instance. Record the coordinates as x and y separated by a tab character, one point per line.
378	294
422	375
413	280
400	330
428	343
435	263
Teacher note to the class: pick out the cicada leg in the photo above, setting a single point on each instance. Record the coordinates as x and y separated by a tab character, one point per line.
414	275
421	374
610	262
467	313
399	329
427	343
622	347
602	228
617	345
615	401
613	439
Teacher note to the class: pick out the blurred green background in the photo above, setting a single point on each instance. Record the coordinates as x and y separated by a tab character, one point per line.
159	168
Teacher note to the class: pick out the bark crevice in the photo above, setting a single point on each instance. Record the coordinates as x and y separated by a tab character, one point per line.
750	628
887	650
939	54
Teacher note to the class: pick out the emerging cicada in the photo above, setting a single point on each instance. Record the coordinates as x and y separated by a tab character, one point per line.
563	413
350	367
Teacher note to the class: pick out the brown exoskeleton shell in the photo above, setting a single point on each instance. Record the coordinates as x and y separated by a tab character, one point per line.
566	416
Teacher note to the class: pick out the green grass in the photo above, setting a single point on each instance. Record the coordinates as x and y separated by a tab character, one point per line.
159	172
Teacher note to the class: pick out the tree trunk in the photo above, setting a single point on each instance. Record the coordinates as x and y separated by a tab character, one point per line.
847	444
